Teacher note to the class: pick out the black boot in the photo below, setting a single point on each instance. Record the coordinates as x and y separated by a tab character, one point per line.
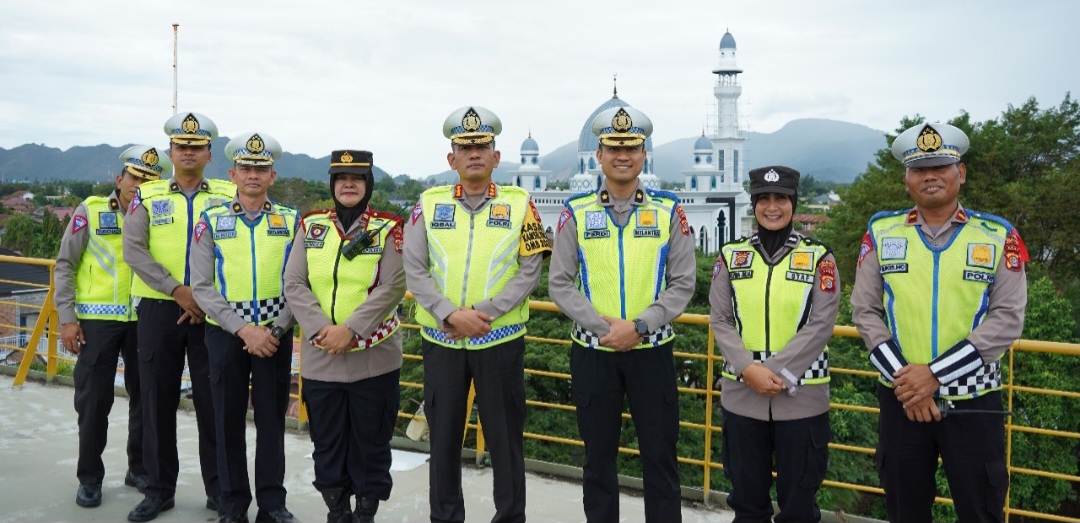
337	500
365	510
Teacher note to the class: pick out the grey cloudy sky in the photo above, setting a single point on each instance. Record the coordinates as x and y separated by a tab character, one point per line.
321	75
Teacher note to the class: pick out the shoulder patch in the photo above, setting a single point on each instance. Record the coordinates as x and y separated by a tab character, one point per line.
827	275
78	223
417	212
1016	254
683	224
200	228
563	217
866	247
718	265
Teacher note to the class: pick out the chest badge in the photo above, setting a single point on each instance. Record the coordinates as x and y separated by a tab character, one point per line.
893	248
981	255
596	225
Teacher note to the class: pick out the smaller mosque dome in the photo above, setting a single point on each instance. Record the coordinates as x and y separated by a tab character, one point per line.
703	144
529	145
727	42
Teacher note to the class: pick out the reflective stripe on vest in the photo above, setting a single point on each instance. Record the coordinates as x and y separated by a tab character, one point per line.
772	302
926	320
472	257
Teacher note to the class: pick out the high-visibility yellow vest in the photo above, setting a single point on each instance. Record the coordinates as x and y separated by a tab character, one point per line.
623	270
342	285
473	256
172	220
935	296
249	258
772	302
103	280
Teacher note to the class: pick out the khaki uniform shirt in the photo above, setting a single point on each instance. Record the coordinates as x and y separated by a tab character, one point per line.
209	298
563	274
316	363
67	263
797	402
1004	321
427	293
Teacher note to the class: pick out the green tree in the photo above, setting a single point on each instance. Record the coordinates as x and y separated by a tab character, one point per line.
47	243
20	232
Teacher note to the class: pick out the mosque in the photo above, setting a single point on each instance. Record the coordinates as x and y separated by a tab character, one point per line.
712	195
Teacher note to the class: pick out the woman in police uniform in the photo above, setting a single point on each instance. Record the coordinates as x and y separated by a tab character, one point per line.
774	299
343	282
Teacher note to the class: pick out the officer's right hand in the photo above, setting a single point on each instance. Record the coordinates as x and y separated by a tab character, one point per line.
923	411
762	380
71	335
192	313
258	340
468	323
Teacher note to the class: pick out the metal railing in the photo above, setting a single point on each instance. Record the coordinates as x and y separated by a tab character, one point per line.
44	336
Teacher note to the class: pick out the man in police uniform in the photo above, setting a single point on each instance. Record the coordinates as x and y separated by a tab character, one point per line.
485	244
623	297
946	269
237	259
157	240
97	320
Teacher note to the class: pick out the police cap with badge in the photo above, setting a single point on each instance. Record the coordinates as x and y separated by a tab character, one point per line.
930	145
472	125
253	149
190	129
351	161
774	179
145	162
622	127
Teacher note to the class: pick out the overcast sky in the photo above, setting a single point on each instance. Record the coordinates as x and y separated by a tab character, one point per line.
322	75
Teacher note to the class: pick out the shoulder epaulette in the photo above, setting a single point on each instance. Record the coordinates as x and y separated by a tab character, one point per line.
663	194
991	218
153	188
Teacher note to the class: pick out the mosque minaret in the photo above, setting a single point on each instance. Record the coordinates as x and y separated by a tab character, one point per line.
712	195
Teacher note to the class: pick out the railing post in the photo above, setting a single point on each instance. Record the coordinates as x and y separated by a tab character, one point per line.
709	393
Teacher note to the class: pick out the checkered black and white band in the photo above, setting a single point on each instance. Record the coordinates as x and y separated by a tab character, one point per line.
653	339
259	312
986	377
960	360
98	309
818	369
495	335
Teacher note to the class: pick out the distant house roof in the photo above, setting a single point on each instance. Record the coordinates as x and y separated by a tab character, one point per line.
61	212
815	219
14	202
37	275
22	195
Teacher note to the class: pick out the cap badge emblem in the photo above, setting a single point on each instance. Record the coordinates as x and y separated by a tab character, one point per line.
622	122
772	176
346	157
929	139
255	144
471	120
150	157
190	124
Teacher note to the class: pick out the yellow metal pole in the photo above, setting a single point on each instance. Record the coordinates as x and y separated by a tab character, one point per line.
31	345
709	392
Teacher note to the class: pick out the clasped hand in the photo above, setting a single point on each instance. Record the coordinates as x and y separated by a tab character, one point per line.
914	386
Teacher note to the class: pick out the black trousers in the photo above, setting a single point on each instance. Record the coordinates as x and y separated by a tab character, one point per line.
231	370
645	377
162	347
972	450
351	425
499	376
801	449
95	373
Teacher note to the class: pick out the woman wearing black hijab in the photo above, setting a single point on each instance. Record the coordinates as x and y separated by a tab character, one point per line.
774	300
343	283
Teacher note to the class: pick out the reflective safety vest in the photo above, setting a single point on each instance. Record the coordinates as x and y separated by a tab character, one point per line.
103	280
935	296
773	302
172	219
342	285
472	256
249	258
623	270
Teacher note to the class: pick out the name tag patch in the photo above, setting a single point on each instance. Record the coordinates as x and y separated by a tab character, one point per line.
981	255
890	268
740	275
799	276
979	276
893	248
444	216
596	225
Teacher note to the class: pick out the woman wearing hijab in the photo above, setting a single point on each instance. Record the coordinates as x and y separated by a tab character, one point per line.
343	283
774	300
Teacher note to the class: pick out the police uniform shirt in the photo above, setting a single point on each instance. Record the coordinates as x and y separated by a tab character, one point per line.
72	247
426	292
381	301
563	273
210	299
137	248
798	354
1004	321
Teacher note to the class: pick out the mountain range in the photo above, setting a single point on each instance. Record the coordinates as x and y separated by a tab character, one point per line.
829	150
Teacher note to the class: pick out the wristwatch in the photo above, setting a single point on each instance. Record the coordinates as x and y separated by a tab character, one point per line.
277	332
641	328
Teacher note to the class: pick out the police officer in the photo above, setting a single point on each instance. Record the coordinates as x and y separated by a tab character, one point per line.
636	275
343	282
774	300
157	240
97	320
473	253
237	258
955	302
